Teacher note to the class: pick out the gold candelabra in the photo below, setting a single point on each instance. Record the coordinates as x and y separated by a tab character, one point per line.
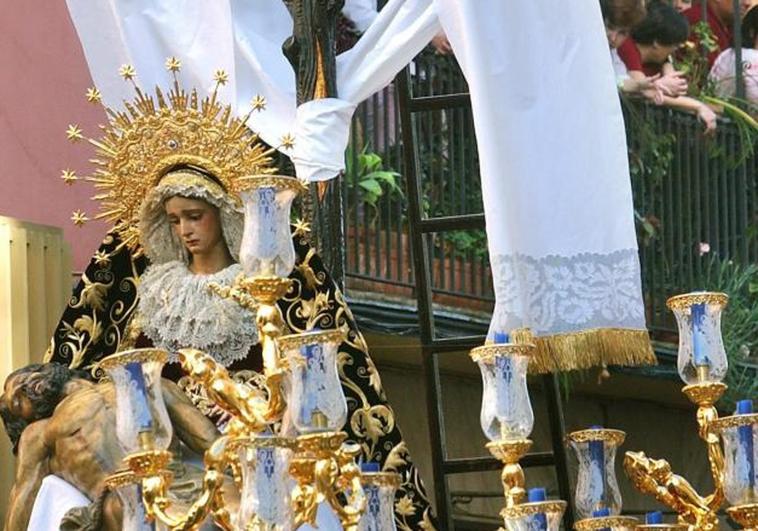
324	468
702	365
322	465
504	368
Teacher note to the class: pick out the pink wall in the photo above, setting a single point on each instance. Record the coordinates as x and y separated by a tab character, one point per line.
43	78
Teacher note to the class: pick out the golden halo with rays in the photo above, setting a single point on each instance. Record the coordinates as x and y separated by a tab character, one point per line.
158	132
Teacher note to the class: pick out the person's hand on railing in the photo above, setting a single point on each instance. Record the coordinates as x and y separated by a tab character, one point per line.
672	84
653	94
708	117
645	86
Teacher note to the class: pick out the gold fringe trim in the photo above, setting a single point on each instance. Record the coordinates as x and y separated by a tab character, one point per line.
588	348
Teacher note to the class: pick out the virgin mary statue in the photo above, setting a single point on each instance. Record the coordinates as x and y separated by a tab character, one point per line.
170	190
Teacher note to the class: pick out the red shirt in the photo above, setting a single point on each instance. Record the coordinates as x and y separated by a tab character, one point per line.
630	54
721	31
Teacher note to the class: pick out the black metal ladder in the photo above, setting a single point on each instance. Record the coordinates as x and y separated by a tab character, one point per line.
432	347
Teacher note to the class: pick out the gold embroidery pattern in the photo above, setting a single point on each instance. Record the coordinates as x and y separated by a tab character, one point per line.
97	313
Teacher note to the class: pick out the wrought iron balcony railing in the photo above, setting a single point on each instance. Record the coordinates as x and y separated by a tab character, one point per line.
696	197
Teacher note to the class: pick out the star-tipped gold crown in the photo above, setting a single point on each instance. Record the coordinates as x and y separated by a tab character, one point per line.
156	133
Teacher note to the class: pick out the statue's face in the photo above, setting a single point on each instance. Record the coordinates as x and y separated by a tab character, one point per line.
29	394
15	397
196	223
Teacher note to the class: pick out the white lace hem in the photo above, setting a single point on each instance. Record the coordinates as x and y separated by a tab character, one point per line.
560	294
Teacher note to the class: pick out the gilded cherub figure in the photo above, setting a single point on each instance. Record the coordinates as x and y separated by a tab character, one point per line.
654	477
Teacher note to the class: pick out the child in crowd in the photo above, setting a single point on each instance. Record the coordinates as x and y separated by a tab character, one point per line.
723	71
620	16
647	53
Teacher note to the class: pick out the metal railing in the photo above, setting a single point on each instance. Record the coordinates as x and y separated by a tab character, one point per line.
705	208
705	205
378	250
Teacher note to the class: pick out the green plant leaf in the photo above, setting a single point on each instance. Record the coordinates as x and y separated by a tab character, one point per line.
372	186
387	177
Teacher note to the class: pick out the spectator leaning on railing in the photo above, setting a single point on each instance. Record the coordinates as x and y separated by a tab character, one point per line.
647	53
619	17
719	16
723	71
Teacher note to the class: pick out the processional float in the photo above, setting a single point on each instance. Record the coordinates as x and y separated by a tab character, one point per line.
283	475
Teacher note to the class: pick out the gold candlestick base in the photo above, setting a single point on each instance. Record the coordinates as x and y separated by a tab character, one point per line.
662	527
745	515
525	510
325	470
512	476
120	479
148	463
704	394
614	523
324	444
381	479
266	290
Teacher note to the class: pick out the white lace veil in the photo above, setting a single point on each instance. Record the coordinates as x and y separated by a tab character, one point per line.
159	241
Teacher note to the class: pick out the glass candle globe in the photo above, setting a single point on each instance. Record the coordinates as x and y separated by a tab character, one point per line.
142	422
506	413
267	248
316	399
596	487
380	490
702	358
265	496
740	436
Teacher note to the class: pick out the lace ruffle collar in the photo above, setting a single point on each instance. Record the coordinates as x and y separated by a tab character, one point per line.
178	310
